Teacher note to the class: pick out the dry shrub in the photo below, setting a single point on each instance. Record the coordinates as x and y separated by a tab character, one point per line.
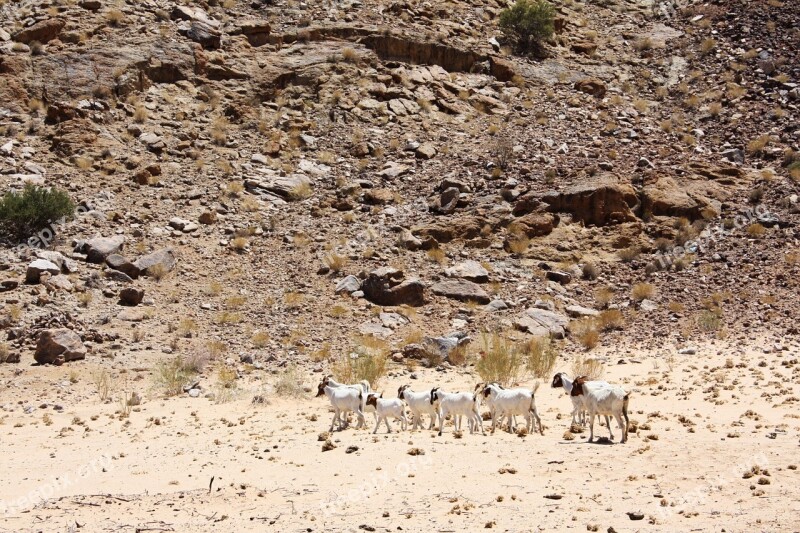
585	331
756	230
590	271
290	383
604	296
335	261
500	359
301	191
587	366
541	355
437	255
367	361
610	319
627	255
642	291
260	339
293	300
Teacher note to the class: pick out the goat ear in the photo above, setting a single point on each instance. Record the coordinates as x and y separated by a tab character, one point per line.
381	394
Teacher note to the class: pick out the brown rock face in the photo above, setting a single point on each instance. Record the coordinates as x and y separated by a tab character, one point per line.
600	203
59	346
661	200
536	224
43	31
448	230
384	287
591	86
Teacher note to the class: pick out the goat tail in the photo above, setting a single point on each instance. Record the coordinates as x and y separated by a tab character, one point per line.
625	409
535	387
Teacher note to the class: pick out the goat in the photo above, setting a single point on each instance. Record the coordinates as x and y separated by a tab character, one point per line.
517	401
562	380
343	400
419	404
600	398
457	404
385	408
362	386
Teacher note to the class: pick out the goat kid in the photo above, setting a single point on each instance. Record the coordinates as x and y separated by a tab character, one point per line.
384	408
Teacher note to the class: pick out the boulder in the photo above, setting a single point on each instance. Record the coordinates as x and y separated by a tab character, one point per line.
536	224
99	248
393	320
600	203
37	267
461	290
121	264
467	227
286	187
425	151
558	276
43	31
469	270
349	285
204	33
577	311
384	287
163	259
256	31
131	296
56	346
540	322
591	86
669	199
448	201
436	348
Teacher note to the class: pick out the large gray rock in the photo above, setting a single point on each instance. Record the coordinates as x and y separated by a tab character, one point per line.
121	264
461	290
540	322
577	311
56	346
436	348
99	248
469	270
37	267
349	285
163	259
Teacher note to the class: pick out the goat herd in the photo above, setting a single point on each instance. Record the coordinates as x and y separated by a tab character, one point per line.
594	398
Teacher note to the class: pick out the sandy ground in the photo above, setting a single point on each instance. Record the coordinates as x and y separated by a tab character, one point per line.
703	422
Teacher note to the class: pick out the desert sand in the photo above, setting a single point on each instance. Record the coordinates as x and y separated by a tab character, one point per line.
714	448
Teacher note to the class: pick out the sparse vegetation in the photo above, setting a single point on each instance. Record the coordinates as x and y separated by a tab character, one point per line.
587	366
528	23
335	261
24	214
290	383
642	291
499	359
367	360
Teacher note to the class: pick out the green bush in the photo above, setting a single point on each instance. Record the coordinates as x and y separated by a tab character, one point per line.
24	214
528	23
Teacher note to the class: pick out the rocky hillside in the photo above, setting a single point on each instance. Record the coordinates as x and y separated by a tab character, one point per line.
269	180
